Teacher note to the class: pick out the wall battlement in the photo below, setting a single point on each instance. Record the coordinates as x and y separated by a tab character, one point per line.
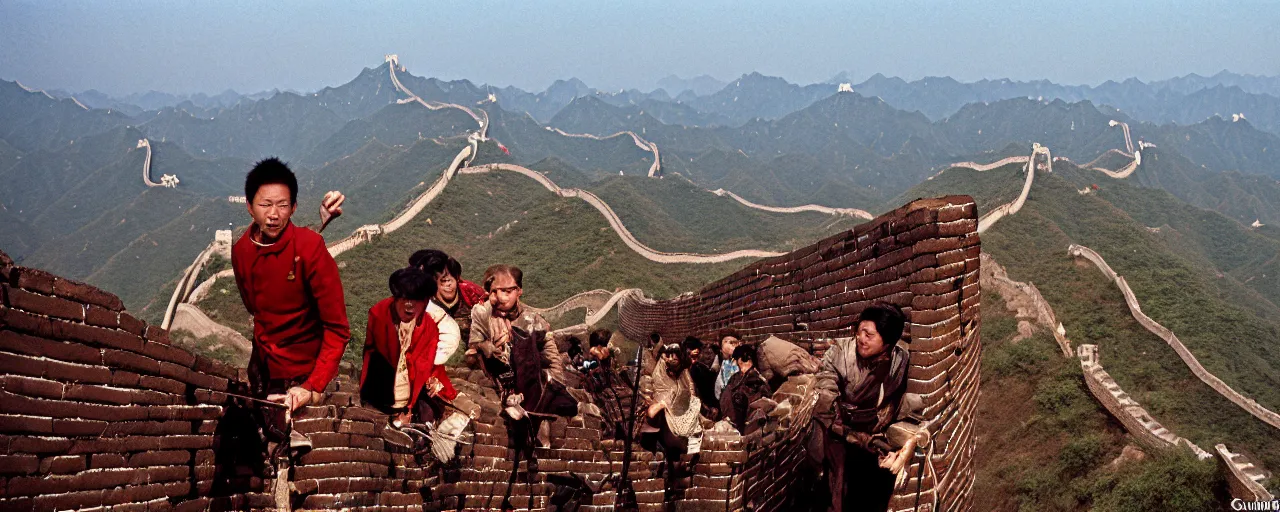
99	410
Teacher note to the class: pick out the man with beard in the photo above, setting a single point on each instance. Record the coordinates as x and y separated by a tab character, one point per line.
863	380
516	352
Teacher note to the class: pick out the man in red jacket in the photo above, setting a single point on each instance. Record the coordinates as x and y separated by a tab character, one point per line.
400	374
290	284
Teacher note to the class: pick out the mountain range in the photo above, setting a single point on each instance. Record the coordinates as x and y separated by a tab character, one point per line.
1190	226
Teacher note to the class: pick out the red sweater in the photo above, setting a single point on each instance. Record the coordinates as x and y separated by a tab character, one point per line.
471	293
382	335
293	291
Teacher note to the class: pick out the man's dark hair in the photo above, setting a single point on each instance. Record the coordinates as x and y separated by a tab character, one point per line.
600	338
745	352
435	261
492	272
270	171
575	347
411	283
691	343
654	338
671	349
727	332
889	321
419	258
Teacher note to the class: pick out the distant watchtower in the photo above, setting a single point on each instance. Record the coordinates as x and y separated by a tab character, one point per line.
222	243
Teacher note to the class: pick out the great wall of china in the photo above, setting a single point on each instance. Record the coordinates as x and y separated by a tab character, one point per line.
1248	404
1135	419
393	63
167	180
854	212
654	169
99	409
365	233
1243	476
616	223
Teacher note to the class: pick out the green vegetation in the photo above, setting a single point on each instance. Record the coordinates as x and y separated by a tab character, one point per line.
1045	444
563	245
210	347
989	189
223	305
677	216
216	264
1180	292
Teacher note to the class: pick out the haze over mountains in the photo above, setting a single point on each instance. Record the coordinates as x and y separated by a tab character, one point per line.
1184	100
1166	179
761	137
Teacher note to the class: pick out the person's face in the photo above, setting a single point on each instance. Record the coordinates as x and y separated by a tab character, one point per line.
692	354
504	293
271	208
744	365
446	286
407	309
726	347
870	344
672	360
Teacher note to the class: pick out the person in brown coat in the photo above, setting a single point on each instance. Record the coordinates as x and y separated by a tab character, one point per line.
862	381
516	352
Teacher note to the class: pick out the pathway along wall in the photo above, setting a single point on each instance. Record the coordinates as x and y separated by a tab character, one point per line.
97	409
923	257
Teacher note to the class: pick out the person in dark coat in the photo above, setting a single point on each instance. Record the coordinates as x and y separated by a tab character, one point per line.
516	352
862	382
704	377
400	375
607	384
745	387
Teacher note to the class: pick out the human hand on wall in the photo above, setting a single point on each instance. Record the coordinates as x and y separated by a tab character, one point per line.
296	397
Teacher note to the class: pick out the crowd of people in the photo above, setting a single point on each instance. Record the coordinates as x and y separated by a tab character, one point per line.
664	398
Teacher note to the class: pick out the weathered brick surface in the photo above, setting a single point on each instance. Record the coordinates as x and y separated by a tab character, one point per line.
92	414
922	257
97	409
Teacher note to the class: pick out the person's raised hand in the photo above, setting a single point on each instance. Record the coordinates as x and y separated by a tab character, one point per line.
331	207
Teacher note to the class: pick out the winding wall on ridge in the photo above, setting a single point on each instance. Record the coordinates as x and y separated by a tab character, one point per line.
1248	404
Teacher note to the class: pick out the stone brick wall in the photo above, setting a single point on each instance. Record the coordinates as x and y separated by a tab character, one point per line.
96	408
1126	410
1248	404
1244	479
923	257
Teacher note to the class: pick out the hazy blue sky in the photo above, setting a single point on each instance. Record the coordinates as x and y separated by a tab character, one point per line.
123	46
